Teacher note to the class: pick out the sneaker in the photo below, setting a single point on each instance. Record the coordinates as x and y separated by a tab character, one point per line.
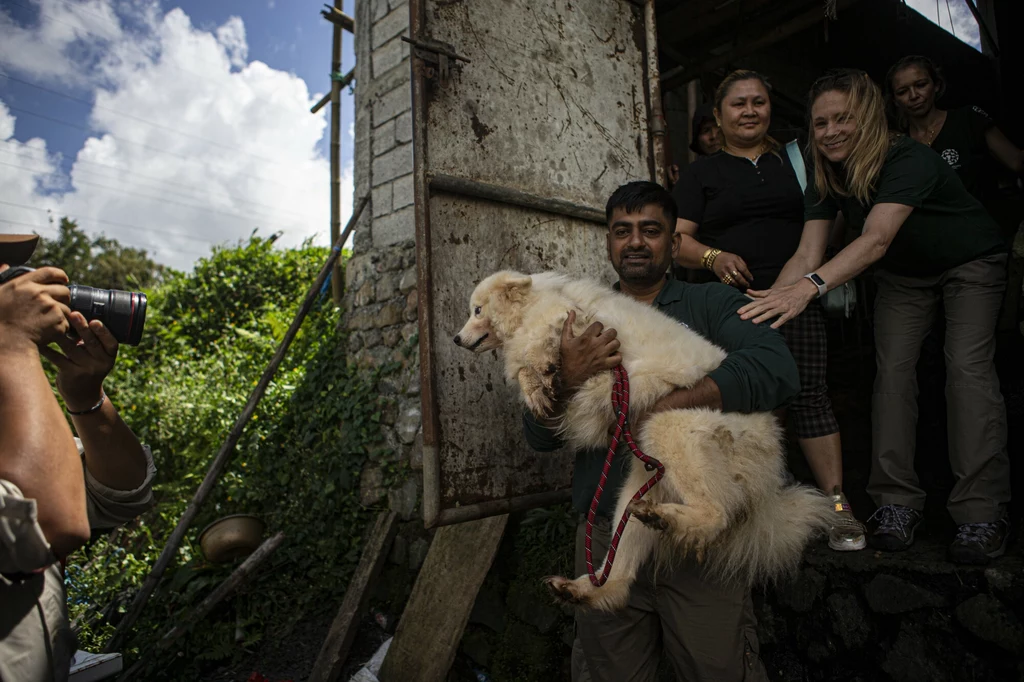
979	543
896	527
847	533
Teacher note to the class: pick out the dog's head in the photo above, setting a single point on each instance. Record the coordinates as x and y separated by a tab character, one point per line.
495	311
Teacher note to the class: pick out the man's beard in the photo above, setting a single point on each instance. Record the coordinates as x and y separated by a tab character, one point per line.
640	273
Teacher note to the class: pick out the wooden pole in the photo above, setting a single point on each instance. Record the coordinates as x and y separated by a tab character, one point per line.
691	110
337	285
334	651
226	450
656	115
240	575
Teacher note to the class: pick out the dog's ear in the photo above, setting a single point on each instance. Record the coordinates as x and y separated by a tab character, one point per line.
515	287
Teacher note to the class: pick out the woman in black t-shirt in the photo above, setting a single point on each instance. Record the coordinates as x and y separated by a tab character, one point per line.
740	219
932	241
966	138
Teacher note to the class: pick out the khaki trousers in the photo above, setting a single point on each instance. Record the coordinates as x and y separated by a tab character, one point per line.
976	416
707	631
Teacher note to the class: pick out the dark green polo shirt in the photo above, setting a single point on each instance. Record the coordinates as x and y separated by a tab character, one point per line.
759	375
948	226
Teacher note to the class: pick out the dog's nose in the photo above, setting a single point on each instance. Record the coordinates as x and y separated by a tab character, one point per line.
458	340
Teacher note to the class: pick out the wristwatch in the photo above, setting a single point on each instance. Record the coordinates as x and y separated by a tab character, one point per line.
817	281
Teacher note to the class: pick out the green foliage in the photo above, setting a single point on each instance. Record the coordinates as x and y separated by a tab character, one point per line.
209	335
98	262
543	545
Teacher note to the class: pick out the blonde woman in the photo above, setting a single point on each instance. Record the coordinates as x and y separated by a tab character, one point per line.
932	241
741	213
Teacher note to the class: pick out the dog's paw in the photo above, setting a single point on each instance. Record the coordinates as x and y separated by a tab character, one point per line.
565	590
539	402
647	514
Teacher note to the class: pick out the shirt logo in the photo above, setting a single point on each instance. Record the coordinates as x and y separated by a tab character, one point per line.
951	156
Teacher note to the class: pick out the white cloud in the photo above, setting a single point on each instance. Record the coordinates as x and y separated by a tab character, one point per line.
963	26
198	145
26	170
67	39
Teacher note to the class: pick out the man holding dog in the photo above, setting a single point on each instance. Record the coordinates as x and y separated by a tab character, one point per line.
706	630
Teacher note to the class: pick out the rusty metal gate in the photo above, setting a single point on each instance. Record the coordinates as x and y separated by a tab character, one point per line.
527	115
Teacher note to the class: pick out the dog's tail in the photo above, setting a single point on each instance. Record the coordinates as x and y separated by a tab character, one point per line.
768	543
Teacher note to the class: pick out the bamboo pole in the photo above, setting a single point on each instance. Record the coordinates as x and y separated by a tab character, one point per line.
226	450
337	285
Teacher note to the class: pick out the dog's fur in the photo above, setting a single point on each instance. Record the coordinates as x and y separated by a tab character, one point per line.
723	499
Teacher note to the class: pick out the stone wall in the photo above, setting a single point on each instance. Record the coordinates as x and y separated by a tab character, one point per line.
908	617
380	278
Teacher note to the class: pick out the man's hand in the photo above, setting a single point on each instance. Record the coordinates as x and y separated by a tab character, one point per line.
594	351
34	309
85	362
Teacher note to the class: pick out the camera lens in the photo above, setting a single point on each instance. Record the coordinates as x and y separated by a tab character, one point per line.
122	312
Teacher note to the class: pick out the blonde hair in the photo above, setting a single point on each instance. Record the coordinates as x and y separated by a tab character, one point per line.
870	142
732	79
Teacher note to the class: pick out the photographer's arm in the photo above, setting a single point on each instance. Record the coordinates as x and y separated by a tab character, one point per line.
113	454
37	451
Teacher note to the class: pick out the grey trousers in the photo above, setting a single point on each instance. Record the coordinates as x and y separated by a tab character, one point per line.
708	632
976	415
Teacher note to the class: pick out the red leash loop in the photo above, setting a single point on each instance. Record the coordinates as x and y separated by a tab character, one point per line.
620	402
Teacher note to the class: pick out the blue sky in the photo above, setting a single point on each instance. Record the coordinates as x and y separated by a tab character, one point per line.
287	34
169	125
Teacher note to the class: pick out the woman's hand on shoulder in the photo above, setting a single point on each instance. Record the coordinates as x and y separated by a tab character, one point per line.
783	303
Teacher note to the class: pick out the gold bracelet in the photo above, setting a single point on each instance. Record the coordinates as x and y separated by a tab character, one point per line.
709	259
704	257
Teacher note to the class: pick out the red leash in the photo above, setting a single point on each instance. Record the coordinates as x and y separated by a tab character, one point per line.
620	401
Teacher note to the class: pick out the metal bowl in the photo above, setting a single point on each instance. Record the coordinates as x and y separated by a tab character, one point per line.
231	537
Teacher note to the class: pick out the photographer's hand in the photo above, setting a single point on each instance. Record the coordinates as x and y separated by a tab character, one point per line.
85	362
34	309
113	453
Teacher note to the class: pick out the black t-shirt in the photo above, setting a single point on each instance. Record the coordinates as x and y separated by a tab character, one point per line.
961	142
753	210
948	227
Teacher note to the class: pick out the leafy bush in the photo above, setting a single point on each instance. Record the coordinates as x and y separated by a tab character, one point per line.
208	337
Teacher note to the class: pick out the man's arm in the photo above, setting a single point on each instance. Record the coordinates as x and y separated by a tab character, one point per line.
760	374
113	454
37	450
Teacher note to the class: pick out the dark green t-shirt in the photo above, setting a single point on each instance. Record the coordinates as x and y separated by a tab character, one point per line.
948	227
759	375
961	143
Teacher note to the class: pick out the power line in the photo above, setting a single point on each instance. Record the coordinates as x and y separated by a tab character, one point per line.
139	144
206	209
135	175
138	118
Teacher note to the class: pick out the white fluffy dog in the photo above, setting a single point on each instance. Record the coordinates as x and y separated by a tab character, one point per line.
723	498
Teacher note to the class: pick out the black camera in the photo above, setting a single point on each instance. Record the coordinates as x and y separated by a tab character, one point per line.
122	312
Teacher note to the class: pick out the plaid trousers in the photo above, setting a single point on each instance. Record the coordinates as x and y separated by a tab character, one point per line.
811	410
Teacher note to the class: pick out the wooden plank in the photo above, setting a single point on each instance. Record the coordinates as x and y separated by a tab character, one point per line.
431	626
343	630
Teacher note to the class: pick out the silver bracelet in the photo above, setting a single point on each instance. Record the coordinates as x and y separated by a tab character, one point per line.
103	398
